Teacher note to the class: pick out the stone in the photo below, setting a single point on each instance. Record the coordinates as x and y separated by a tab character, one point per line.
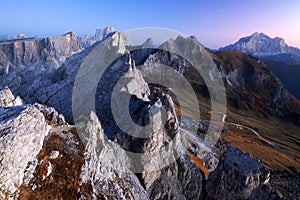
7	99
22	132
100	34
105	166
236	176
49	51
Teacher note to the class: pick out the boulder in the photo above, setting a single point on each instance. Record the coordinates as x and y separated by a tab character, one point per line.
22	132
236	176
7	99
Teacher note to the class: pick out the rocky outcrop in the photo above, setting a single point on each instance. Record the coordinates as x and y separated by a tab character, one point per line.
7	99
105	166
174	173
236	176
246	78
281	186
55	171
51	51
153	115
100	34
243	77
50	114
125	79
261	45
109	154
22	132
88	40
181	180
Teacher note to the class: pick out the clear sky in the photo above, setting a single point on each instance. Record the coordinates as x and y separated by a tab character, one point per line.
215	22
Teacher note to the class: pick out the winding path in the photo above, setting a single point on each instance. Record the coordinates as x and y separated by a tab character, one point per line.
245	127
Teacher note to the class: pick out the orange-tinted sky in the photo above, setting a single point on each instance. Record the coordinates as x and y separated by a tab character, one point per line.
215	22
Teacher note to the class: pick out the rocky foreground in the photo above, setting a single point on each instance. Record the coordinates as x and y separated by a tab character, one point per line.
43	155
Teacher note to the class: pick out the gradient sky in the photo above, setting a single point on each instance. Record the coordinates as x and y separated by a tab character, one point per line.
215	22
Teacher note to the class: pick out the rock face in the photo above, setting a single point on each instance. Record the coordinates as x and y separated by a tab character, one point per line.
88	40
243	77
105	167
22	132
236	176
103	156
50	51
261	45
147	107
12	37
7	99
132	84
181	180
246	78
99	171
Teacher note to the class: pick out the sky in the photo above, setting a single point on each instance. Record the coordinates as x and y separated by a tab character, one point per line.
215	23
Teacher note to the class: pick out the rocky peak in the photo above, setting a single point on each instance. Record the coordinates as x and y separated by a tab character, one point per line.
51	51
247	76
21	36
87	161
88	40
148	43
7	99
236	176
12	37
70	34
261	45
100	34
22	132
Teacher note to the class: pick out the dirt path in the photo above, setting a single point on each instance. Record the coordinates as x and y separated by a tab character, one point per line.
245	127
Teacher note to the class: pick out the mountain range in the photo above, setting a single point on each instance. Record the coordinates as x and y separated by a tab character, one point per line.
262	46
282	59
88	40
46	154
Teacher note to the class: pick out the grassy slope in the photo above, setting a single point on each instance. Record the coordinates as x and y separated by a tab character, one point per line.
285	135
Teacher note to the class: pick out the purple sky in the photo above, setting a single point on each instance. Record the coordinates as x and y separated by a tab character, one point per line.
215	22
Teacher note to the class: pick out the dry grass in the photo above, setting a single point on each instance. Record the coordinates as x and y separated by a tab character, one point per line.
199	163
284	134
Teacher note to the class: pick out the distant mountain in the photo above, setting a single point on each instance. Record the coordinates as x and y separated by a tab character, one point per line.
262	46
283	60
249	84
12	37
88	40
48	52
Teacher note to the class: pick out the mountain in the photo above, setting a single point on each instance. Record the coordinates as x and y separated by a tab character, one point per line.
88	40
12	37
283	60
262	46
56	144
250	84
51	51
